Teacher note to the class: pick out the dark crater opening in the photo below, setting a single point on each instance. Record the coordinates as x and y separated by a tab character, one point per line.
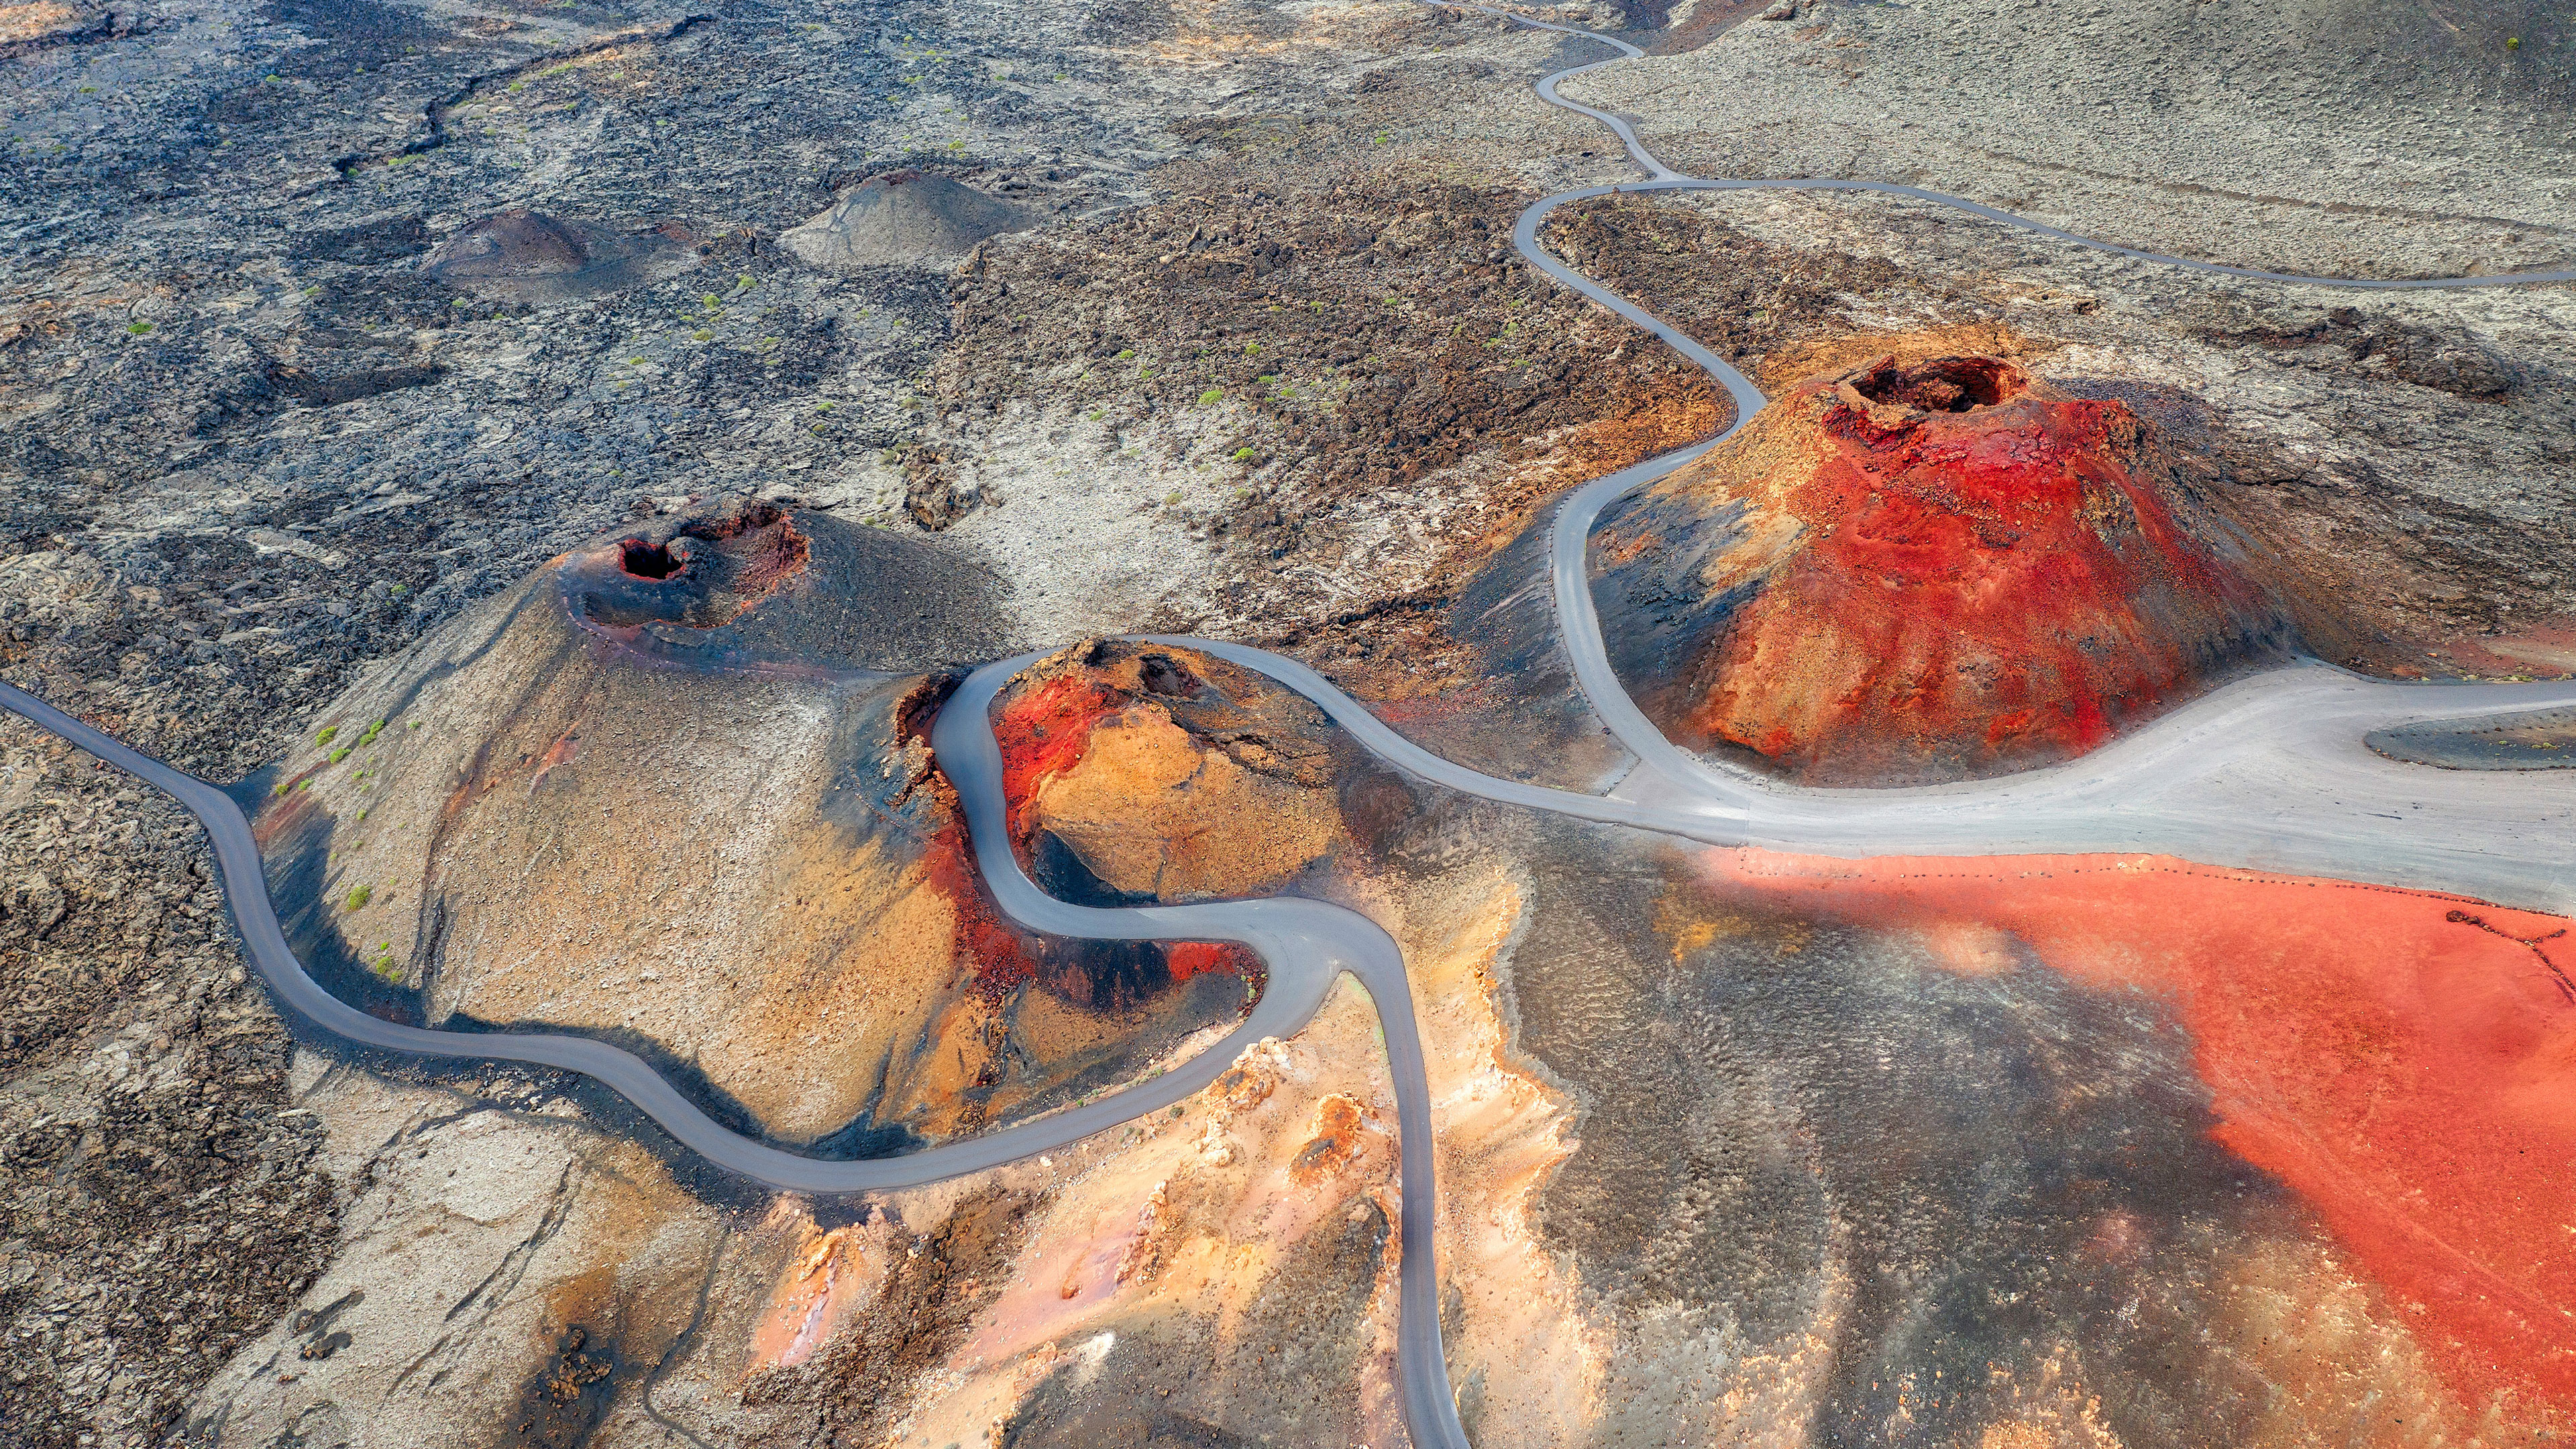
648	560
1942	385
1162	674
701	570
768	585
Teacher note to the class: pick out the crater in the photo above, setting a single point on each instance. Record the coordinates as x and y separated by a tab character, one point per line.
699	571
642	560
1940	385
740	584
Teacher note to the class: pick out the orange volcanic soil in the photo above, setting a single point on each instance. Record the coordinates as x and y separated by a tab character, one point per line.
1946	568
2406	1061
1043	732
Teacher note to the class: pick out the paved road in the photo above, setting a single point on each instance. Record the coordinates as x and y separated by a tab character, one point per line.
2267	772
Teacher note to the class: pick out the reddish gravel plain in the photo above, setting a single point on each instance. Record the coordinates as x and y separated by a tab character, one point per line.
2404	1060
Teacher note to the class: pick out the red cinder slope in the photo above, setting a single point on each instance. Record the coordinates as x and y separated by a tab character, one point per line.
2405	1061
1942	570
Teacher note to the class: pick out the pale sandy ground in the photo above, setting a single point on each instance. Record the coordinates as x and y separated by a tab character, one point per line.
2255	133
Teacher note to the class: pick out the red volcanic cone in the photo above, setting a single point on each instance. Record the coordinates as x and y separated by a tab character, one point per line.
1924	571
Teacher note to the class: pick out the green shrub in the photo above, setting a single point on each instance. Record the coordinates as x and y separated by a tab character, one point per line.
359	896
1211	397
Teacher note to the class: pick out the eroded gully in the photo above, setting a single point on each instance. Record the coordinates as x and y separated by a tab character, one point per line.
2269	772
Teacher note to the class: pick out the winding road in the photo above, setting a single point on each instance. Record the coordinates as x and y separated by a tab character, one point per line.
2269	772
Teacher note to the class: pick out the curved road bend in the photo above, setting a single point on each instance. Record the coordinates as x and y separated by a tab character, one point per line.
2268	773
2315	714
1305	944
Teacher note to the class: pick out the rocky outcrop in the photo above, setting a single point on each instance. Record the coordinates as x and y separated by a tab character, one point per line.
1141	772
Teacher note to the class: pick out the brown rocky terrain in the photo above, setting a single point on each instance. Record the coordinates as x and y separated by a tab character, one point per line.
1358	338
162	1201
1142	773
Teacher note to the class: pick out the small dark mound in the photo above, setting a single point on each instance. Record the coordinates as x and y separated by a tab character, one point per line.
527	256
900	218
